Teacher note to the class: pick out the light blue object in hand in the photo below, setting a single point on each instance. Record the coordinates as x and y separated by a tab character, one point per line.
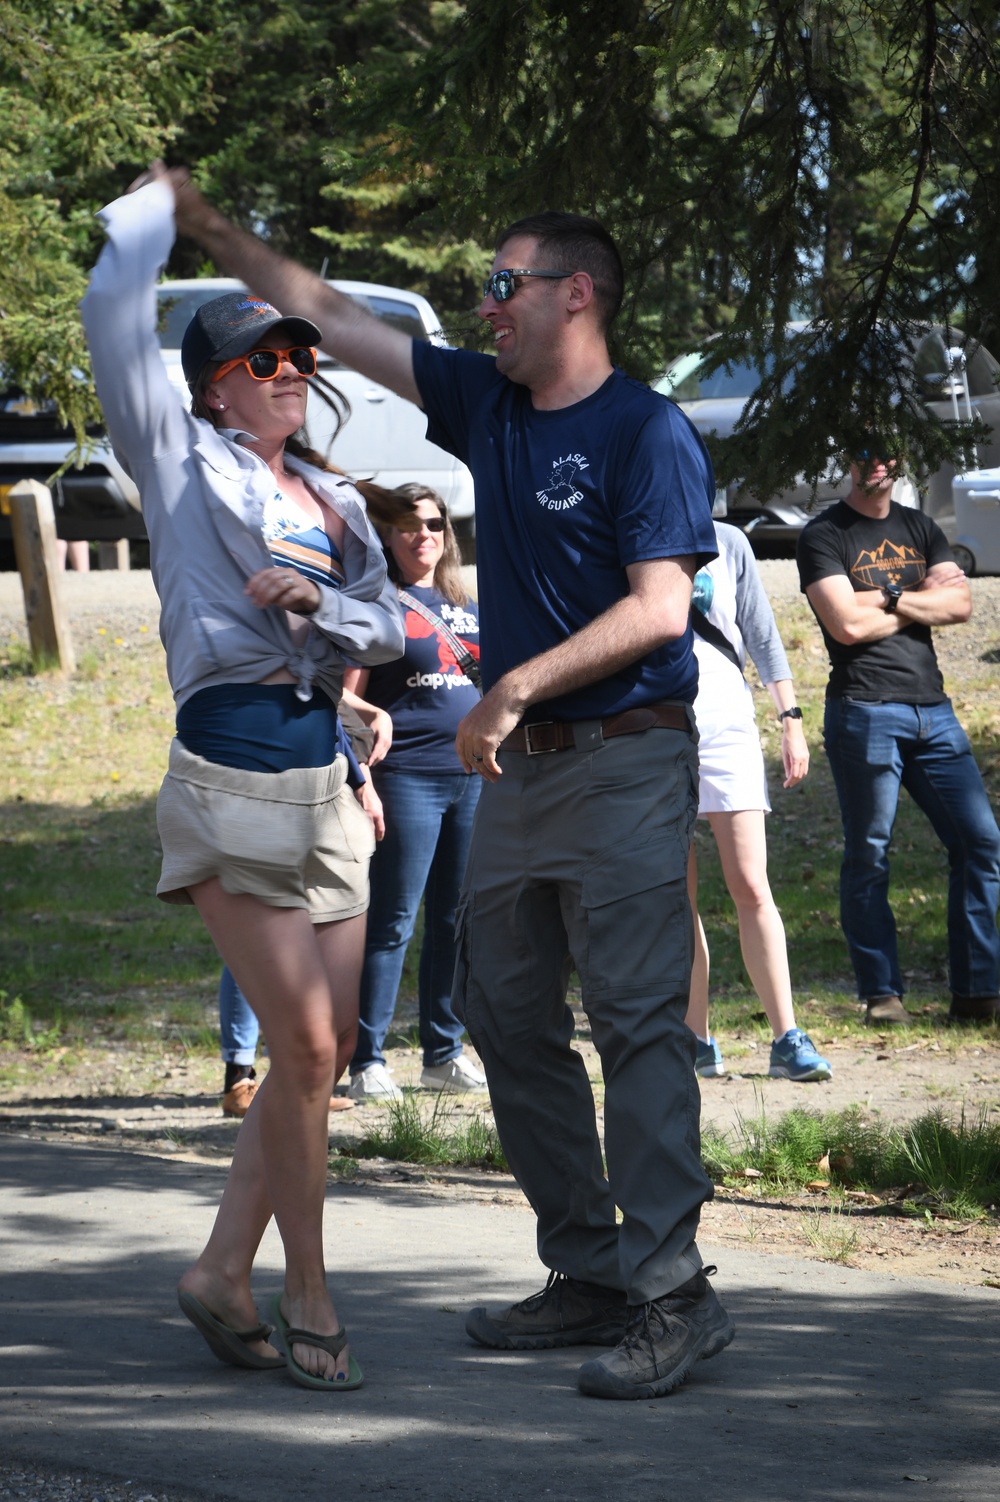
703	591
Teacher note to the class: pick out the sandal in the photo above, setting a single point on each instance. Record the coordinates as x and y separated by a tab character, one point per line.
231	1346
332	1344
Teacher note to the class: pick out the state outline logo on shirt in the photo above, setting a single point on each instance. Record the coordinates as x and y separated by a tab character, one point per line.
561	492
893	563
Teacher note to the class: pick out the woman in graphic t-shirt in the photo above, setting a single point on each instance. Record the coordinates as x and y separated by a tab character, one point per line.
428	802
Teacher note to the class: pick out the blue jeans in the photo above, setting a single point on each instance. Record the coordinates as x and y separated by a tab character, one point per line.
238	1028
873	748
428	824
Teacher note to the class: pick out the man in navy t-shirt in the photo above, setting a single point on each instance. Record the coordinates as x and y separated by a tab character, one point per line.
593	512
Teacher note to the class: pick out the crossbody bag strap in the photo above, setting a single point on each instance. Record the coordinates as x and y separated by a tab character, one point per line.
716	638
461	653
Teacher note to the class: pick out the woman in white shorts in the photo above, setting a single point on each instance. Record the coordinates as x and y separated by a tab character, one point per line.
732	616
268	573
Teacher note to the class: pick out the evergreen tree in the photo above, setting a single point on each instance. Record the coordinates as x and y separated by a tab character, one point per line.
757	159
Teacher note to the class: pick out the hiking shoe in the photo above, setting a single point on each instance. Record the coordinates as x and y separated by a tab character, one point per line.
565	1313
456	1075
974	1009
708	1059
886	1011
662	1342
793	1057
374	1083
236	1101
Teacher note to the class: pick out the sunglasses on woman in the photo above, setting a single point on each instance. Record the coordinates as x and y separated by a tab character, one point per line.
432	523
264	364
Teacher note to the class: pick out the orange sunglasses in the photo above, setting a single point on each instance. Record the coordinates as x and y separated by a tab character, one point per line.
264	364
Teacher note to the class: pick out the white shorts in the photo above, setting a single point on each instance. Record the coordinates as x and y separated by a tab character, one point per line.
731	774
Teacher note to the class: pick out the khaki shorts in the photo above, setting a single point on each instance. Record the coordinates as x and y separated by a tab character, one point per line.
292	839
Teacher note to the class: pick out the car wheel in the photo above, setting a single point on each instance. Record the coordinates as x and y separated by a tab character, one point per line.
965	560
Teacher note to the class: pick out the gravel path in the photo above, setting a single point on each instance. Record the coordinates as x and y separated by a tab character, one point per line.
29	1483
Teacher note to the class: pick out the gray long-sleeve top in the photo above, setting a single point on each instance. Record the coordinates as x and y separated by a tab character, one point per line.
741	611
203	496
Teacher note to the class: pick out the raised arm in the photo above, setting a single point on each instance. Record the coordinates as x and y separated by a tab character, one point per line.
349	333
144	415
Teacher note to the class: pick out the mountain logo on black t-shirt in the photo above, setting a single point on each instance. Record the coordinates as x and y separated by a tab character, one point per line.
561	491
889	563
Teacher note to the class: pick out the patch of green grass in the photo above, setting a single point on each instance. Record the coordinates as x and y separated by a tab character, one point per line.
957	1164
17	1028
345	1168
830	1233
442	1137
82	936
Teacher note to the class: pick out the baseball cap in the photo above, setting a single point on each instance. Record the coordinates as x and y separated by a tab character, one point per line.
233	325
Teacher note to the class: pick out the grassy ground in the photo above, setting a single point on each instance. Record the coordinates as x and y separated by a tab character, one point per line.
89	953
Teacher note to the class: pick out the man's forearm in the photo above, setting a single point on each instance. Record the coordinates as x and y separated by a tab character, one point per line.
948	605
271	275
656	610
613	641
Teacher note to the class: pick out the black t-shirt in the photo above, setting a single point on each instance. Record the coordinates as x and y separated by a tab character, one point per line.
871	552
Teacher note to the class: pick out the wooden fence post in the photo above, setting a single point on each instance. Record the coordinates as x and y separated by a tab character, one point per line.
33	525
113	554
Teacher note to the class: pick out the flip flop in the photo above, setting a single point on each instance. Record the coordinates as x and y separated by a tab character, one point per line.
231	1346
332	1344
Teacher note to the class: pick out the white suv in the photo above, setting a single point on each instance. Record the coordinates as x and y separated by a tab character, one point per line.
382	438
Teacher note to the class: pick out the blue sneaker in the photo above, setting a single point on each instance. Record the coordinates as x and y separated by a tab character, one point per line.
708	1059
793	1057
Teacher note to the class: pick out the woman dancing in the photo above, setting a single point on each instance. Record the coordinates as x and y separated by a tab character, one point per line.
268	573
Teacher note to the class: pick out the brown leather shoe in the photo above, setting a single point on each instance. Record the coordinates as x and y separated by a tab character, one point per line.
974	1009
341	1103
887	1011
236	1101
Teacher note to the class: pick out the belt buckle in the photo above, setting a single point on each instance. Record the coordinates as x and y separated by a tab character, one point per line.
538	750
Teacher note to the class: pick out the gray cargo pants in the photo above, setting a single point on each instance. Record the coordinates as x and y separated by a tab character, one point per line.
580	858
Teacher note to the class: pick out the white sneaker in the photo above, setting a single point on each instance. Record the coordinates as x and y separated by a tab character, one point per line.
374	1083
457	1075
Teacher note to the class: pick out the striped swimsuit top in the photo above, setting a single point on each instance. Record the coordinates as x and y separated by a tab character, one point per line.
295	541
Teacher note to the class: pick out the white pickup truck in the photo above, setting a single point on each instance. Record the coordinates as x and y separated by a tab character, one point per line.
382	438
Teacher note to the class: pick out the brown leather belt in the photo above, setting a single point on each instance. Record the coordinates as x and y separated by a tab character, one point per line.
560	735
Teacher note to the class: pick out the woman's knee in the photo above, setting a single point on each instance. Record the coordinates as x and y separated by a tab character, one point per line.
309	1049
750	891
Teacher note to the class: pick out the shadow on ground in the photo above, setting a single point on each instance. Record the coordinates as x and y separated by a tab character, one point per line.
840	1385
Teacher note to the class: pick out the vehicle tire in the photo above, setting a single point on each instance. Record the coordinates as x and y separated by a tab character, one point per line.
965	559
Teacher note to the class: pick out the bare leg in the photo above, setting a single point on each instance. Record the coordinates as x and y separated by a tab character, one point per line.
697	1012
303	984
743	853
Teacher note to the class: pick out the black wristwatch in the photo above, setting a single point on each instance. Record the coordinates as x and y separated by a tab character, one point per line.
892	593
794	713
